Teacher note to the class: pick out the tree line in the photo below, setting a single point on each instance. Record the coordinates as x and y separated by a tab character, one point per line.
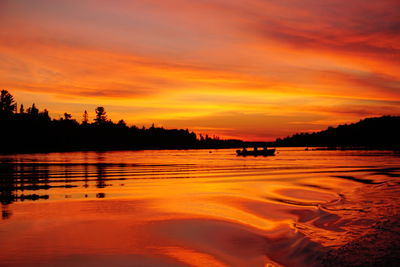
370	133
33	130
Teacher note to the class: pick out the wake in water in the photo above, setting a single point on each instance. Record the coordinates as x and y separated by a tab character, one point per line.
193	208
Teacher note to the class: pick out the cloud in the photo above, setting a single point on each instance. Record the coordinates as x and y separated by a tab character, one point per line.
374	84
228	66
359	28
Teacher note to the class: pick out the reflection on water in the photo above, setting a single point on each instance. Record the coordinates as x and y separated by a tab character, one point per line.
190	208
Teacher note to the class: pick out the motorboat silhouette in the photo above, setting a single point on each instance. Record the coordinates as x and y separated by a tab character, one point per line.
255	152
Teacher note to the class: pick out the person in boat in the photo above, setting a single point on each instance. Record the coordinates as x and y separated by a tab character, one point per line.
265	148
244	150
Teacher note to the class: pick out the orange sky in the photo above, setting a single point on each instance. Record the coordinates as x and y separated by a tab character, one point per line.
252	69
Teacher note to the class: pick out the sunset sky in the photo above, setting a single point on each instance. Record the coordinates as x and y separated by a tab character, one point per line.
249	69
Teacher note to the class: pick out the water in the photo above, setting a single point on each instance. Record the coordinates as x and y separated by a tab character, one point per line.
190	208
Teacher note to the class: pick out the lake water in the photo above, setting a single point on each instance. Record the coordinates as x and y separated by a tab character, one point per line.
190	207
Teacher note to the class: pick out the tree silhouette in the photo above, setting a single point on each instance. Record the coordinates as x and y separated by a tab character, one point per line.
33	111
44	115
370	133
7	104
121	123
85	118
67	116
101	116
66	134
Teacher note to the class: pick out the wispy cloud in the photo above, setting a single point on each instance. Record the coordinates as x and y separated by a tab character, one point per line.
241	68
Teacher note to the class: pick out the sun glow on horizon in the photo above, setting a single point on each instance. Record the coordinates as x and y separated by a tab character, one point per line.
253	70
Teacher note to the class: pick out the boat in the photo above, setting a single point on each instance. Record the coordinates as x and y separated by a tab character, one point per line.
262	152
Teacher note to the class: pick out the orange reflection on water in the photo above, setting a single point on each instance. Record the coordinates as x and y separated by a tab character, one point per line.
192	258
189	208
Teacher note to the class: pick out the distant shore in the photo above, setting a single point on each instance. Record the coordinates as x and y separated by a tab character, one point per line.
32	130
371	133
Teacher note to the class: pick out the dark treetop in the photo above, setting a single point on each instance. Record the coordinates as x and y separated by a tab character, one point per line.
32	130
